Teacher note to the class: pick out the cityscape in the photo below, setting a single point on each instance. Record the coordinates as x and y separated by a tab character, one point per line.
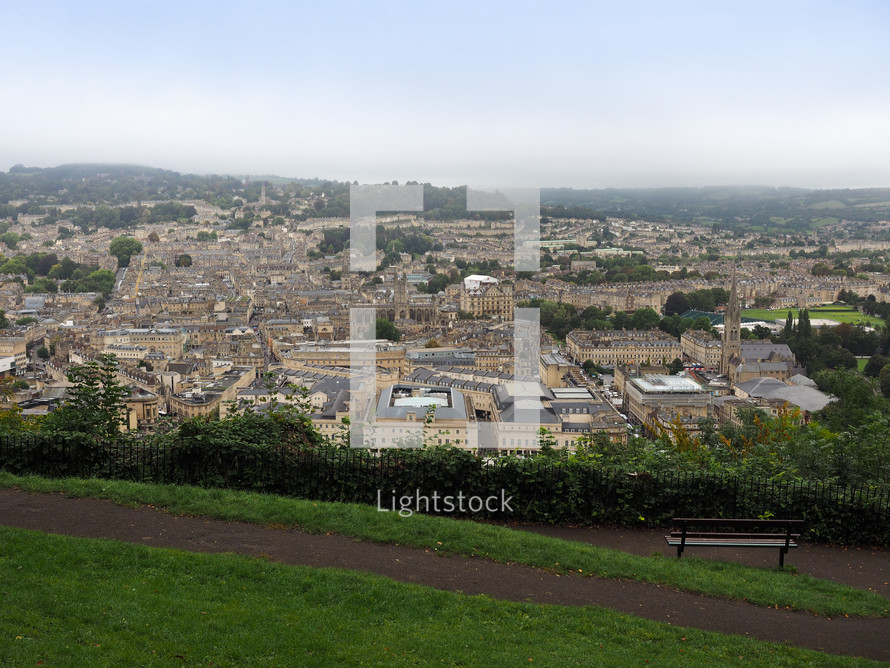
463	334
218	301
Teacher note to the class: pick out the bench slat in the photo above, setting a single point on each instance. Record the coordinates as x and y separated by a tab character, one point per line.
717	542
720	521
720	534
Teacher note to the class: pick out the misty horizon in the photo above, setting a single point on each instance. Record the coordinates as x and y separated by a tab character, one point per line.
644	95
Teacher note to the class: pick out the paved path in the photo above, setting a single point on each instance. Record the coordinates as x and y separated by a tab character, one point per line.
852	636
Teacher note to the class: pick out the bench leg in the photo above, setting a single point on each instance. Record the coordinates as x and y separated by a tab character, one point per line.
782	552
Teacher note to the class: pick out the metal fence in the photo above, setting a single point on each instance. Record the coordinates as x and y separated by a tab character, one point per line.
540	490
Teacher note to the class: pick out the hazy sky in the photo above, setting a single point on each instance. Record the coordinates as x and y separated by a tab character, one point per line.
491	93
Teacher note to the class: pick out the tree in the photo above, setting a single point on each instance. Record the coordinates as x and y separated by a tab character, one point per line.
703	323
387	330
789	326
702	300
761	332
804	330
10	412
622	320
154	238
763	301
676	304
43	353
124	248
184	260
437	284
676	366
645	318
884	380
856	397
10	239
836	358
45	263
63	270
95	404
4	321
874	365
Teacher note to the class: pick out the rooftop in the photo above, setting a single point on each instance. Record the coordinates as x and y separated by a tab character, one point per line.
664	383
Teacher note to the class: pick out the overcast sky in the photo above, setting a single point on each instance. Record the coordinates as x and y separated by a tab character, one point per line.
489	93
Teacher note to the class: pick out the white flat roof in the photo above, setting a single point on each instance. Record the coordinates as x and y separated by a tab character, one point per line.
420	402
663	383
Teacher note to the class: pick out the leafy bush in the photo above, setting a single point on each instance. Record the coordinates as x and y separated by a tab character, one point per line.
541	489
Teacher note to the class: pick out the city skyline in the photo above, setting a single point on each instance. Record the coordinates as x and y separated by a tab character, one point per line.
644	95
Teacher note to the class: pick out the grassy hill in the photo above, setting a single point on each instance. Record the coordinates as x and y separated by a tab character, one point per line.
83	602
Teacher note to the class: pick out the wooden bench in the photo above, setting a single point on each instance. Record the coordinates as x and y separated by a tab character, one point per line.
720	536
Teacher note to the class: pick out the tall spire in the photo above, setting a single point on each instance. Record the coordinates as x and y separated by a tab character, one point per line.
732	325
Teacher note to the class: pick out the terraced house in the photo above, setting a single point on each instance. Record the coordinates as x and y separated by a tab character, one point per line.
610	348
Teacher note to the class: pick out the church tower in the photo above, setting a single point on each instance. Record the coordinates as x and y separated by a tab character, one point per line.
732	324
400	288
345	278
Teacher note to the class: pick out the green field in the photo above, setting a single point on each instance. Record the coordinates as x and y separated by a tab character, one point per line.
85	602
838	313
872	204
821	222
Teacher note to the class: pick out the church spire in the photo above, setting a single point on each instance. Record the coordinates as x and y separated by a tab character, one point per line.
732	325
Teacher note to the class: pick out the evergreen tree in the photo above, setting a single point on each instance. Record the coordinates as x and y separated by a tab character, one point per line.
788	332
95	404
804	331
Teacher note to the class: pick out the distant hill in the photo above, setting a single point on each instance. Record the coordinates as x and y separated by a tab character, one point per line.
752	208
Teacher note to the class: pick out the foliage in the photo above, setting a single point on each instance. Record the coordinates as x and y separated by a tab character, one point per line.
676	304
11	420
96	402
386	330
101	280
604	482
123	248
856	399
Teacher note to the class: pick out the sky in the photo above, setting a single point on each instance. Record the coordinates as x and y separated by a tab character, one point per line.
584	95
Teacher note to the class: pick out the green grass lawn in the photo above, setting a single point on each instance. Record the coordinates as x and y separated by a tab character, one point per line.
761	586
838	313
85	602
860	363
